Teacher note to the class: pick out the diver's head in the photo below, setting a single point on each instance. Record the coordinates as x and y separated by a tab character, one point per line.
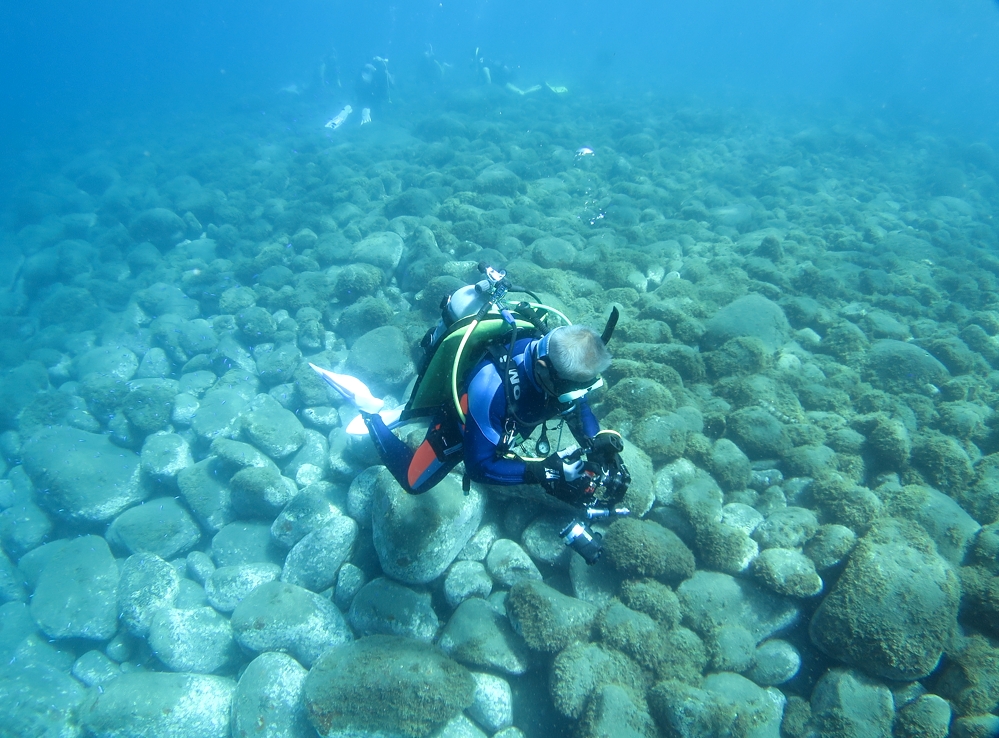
569	361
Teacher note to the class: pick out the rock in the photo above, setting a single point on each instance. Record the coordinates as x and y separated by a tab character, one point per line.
927	716
229	585
279	616
260	492
596	584
108	361
547	619
271	428
161	227
244	543
466	579
711	600
200	566
741	516
165	455
480	636
643	548
776	662
618	711
219	414
895	606
234	456
12	587
206	494
198	640
279	365
731	648
161	526
542	541
349	581
148	703
147	584
418	536
308	511
830	546
582	669
23	527
846	703
725	704
149	406
313	561
508	563
76	594
553	253
897	366
94	668
729	465
382	359
82	477
751	316
383	250
787	572
496	179
388	608
269	694
345	691
790	527
758	433
950	527
492	705
40	700
656	600
662	437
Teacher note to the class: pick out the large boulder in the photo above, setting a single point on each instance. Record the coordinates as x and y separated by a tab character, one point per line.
385	685
82	477
382	359
894	607
418	536
897	366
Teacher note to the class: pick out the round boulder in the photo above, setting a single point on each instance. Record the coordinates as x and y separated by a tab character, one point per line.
385	685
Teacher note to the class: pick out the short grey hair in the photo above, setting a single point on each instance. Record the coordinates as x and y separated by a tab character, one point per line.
577	353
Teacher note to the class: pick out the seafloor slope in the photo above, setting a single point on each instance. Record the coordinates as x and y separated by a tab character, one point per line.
805	375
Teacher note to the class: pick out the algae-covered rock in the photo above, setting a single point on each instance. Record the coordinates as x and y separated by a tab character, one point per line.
895	606
313	561
617	711
724	704
711	600
662	437
970	678
547	619
480	635
381	357
207	495
654	599
271	428
642	548
82	477
165	455
227	586
897	366
383	250
787	572
582	669
758	433
750	316
418	536
927	716
148	703
386	685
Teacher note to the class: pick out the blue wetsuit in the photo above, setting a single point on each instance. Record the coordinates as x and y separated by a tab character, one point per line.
477	441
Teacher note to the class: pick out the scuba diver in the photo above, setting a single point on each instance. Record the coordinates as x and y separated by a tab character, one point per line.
491	374
371	88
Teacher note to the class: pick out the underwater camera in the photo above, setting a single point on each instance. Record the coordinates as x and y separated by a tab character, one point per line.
584	540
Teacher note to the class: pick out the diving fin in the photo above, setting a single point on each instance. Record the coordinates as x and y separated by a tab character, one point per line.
357	427
352	389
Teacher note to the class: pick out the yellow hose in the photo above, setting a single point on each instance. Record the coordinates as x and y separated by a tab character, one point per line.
454	369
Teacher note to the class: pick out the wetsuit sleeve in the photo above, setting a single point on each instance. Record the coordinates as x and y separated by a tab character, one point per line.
582	422
484	430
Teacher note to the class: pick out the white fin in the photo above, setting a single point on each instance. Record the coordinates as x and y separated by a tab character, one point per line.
351	389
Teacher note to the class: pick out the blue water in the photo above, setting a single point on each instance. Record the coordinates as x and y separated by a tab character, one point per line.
836	125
